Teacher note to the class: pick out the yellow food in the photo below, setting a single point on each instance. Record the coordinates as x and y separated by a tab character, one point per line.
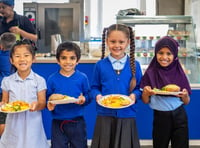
115	101
56	97
15	106
171	88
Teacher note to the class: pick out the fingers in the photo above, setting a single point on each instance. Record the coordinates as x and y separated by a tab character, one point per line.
81	99
50	106
14	29
33	106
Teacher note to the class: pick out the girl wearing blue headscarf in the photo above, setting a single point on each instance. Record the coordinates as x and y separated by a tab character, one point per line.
170	119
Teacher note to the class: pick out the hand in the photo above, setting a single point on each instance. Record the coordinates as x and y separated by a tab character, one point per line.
81	99
184	96
147	91
132	96
50	106
15	29
33	106
98	97
2	103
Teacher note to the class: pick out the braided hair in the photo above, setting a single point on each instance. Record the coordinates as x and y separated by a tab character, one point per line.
130	35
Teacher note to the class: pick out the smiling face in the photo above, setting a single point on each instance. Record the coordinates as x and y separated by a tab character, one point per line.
67	62
22	59
117	43
164	57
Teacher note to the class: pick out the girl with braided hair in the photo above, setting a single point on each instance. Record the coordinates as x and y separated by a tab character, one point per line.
118	73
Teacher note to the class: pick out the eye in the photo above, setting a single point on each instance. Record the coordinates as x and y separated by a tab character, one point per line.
121	42
160	53
112	41
169	53
27	55
16	56
73	58
62	57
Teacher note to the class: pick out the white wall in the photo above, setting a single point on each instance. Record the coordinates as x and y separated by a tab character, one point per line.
195	11
103	12
111	8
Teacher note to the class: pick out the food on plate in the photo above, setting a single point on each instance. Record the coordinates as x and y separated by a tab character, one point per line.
56	97
115	101
15	106
171	88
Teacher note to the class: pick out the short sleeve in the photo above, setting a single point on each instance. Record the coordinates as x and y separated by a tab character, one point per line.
41	85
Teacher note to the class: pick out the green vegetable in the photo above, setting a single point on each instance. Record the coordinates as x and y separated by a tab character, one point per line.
16	107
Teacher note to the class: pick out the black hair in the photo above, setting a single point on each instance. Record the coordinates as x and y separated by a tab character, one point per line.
128	31
68	46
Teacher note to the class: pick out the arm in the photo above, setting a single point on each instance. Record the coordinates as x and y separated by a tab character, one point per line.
41	101
23	33
184	96
5	97
49	92
85	96
146	94
27	35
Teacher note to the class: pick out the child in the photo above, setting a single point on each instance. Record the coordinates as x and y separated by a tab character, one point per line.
7	40
116	74
170	119
24	129
68	125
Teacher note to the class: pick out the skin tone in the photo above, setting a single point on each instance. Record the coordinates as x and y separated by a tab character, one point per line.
117	43
22	59
8	13
67	61
164	57
2	127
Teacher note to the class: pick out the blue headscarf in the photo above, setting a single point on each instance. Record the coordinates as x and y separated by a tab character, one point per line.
8	2
157	76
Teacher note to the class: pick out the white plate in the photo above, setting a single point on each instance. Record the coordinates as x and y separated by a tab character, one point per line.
64	101
123	96
12	112
167	93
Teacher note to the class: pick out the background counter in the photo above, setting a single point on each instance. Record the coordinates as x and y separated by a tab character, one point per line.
144	115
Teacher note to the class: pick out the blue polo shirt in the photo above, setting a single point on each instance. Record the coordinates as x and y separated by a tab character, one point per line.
5	65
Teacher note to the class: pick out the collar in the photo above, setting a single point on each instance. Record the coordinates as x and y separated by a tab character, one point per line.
29	77
113	60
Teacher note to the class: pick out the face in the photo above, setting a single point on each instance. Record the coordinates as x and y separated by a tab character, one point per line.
117	43
22	59
67	62
6	10
164	57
